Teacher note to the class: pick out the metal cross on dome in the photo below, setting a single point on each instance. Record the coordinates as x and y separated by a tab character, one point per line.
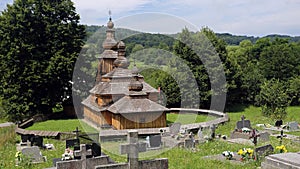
109	13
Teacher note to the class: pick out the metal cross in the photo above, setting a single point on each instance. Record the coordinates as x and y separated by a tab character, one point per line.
281	137
77	132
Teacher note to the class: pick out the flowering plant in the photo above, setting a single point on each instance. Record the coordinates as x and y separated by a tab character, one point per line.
281	149
18	155
68	155
228	154
246	153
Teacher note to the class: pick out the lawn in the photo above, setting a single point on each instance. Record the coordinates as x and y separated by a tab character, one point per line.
63	126
187	118
178	158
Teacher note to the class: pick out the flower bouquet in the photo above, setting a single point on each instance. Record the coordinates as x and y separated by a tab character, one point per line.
246	153
228	154
68	155
281	149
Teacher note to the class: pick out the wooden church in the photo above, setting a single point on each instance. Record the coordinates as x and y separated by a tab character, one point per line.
121	98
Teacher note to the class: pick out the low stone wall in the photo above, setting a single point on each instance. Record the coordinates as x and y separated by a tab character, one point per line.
72	164
160	163
77	164
113	166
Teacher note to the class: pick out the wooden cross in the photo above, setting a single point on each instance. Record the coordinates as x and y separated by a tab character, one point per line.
254	135
83	153
132	149
77	132
281	137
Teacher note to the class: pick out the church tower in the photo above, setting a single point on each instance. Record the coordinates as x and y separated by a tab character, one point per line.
110	54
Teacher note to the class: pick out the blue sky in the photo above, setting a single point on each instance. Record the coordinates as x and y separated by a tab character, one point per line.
241	17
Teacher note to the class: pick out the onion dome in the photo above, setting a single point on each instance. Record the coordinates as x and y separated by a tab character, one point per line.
135	84
135	70
121	61
110	24
110	41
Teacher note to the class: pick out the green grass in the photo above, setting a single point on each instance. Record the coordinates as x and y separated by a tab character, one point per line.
187	118
63	126
178	158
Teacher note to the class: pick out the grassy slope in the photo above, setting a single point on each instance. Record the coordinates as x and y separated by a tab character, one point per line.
62	125
187	118
178	158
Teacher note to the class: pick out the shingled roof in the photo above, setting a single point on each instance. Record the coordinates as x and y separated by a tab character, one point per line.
107	88
109	54
92	104
130	104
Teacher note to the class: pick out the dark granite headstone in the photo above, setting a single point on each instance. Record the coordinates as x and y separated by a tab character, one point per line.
89	147
96	149
241	124
24	137
264	150
38	141
278	123
155	141
72	143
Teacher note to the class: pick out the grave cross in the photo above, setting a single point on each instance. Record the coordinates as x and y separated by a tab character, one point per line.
77	132
281	137
254	135
132	149
83	152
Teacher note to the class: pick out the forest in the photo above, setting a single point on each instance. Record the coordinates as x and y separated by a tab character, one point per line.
261	71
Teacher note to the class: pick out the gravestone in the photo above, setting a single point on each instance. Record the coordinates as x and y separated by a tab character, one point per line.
243	123
132	149
264	136
200	134
72	143
24	138
212	131
264	150
37	141
87	151
188	143
175	128
55	160
278	123
33	153
292	126
155	141
96	149
282	161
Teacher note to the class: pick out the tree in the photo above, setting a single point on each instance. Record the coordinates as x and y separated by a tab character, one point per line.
39	44
274	99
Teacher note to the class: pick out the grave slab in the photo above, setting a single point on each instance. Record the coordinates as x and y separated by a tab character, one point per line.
33	153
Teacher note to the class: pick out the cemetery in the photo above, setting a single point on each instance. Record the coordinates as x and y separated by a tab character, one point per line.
122	123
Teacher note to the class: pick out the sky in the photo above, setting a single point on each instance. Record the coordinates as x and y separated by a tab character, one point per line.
239	17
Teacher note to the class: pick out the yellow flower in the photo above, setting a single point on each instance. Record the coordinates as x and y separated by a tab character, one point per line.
18	154
240	152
